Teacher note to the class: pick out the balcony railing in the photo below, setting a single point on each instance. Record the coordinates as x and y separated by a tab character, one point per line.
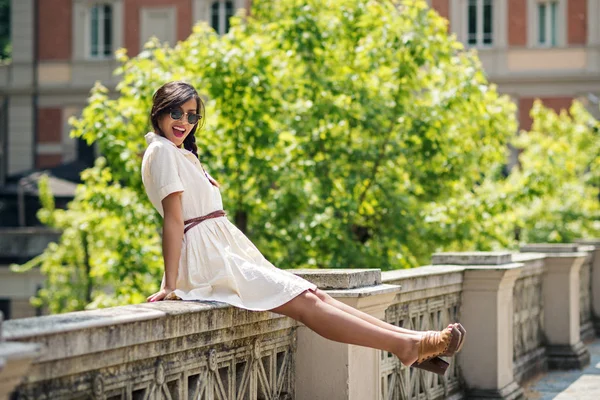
524	312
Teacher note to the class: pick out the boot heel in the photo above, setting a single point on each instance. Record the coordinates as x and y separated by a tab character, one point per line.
435	365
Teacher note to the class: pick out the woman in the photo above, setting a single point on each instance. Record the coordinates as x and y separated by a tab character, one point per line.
207	258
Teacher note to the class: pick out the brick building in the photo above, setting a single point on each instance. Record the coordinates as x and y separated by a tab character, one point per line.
546	49
60	48
530	48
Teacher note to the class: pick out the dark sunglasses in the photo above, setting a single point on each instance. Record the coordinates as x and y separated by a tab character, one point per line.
191	117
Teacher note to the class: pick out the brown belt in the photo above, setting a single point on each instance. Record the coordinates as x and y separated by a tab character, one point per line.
195	221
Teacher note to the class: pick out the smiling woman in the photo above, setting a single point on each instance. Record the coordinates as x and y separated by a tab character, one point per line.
207	257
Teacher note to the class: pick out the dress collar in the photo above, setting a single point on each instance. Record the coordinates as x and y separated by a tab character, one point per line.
152	137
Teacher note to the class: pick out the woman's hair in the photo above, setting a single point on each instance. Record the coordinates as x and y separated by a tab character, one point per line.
173	95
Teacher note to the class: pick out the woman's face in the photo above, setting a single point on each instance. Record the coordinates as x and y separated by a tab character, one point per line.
177	130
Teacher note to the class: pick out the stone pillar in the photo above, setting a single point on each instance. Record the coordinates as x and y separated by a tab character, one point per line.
331	370
486	360
563	263
595	280
15	359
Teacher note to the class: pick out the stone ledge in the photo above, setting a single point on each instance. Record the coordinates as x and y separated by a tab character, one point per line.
424	271
527	257
16	350
472	258
15	361
332	279
427	281
365	291
589	242
557	249
88	332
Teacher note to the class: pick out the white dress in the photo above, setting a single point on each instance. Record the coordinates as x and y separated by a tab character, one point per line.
218	262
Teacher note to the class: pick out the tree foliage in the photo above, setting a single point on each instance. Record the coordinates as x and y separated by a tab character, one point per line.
346	134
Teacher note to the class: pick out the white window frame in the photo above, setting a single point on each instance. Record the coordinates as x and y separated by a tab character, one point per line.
479	39
81	25
551	31
101	34
533	24
221	13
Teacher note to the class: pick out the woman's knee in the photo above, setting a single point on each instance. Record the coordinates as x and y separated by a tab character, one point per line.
299	305
322	295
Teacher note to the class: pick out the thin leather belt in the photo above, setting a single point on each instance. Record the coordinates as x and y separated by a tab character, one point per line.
195	221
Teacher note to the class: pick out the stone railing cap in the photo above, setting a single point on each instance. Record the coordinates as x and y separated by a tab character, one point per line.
472	258
524	257
336	279
377	290
424	271
18	329
19	351
590	241
556	248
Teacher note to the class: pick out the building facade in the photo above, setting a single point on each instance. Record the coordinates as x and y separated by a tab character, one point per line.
60	49
546	49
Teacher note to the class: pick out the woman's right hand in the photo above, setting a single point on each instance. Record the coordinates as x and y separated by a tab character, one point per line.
160	295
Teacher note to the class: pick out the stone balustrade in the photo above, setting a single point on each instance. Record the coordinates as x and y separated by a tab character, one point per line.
529	351
430	299
165	350
524	312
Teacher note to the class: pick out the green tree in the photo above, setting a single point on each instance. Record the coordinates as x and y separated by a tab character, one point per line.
109	252
556	186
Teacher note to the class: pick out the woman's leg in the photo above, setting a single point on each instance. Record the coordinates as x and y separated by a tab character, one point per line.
362	315
340	326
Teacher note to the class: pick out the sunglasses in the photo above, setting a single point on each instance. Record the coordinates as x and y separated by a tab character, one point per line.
191	117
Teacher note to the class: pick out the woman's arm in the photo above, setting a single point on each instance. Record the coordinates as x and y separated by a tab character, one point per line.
171	244
172	237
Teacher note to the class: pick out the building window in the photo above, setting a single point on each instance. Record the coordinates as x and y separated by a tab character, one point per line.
220	12
479	20
101	29
547	21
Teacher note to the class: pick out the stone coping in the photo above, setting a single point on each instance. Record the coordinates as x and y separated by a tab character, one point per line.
17	351
365	291
335	279
570	249
23	328
65	336
568	255
425	271
472	258
525	257
590	242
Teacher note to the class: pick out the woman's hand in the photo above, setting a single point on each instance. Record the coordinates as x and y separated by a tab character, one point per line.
160	295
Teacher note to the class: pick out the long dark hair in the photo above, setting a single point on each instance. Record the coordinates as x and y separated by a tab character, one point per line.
173	95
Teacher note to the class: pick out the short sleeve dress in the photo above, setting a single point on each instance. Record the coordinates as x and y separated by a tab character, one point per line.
218	262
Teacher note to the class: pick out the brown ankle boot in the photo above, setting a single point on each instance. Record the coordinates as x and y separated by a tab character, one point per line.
434	344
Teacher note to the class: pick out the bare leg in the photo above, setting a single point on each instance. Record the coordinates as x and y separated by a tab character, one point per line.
364	316
340	326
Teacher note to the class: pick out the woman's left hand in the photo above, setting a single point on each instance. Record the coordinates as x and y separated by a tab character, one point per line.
160	295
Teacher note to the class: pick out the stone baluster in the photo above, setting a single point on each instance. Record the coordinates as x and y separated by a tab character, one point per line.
15	359
331	370
561	291
486	360
595	280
